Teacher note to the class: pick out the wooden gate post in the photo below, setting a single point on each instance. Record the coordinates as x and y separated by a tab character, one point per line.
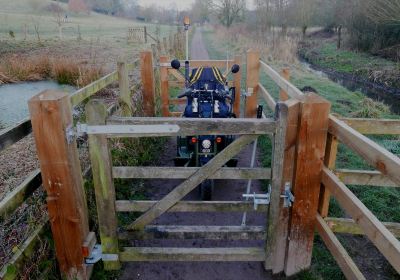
283	95
252	80
125	100
147	75
164	87
310	151
100	157
51	117
282	173
237	84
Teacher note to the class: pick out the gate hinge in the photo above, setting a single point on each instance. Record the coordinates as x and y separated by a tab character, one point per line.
288	197
259	199
97	255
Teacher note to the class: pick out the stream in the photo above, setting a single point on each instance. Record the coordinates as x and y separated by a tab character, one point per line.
14	99
390	96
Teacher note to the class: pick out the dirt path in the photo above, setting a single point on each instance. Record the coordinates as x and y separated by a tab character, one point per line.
228	190
198	49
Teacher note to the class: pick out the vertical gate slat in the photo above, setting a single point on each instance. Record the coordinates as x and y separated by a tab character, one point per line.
96	114
252	79
282	172
164	87
237	80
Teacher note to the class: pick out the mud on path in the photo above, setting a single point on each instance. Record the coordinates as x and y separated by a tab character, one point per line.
225	190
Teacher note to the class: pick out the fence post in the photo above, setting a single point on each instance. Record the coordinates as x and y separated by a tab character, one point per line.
165	46
164	87
147	75
330	162
283	95
100	157
253	72
145	34
51	117
310	151
237	84
282	173
125	100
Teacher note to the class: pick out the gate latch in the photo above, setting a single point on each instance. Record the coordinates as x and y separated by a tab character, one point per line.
288	197
258	199
97	255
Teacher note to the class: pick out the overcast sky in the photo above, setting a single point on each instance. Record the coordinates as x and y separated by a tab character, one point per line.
179	4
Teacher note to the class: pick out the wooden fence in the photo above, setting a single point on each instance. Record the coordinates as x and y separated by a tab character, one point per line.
303	134
348	131
11	135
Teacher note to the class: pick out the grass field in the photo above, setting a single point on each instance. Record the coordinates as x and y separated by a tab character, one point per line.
383	202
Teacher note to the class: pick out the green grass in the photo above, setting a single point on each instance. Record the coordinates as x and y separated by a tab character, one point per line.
326	55
383	202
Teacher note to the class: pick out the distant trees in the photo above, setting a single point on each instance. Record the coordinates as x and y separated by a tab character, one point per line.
109	7
383	11
201	10
229	11
78	6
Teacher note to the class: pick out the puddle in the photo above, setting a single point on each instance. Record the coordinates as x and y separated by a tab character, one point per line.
14	99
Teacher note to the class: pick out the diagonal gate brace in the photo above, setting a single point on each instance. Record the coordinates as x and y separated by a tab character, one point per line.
192	182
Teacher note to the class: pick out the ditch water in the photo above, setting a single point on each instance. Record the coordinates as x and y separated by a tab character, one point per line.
390	96
14	99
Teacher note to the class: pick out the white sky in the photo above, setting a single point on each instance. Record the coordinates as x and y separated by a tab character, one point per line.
179	4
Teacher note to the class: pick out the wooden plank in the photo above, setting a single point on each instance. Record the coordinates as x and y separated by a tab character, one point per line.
281	82
177	101
364	178
346	264
190	206
12	135
329	161
197	232
252	81
22	253
209	63
193	181
198	126
148	81
310	151
283	95
267	97
383	239
84	93
374	126
164	87
383	160
237	79
125	98
343	225
100	157
175	114
17	196
51	115
176	84
147	172
283	168
164	254
178	75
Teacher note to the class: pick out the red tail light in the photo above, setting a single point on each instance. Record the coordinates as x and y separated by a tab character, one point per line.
218	140
193	140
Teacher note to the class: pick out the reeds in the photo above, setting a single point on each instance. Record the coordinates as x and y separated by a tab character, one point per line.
63	70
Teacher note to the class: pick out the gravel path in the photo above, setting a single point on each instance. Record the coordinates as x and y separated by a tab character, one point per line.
225	190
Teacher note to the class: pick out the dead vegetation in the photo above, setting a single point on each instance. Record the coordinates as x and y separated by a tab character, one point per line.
64	70
370	108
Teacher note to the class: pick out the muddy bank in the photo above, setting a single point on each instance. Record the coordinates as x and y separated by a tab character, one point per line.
374	90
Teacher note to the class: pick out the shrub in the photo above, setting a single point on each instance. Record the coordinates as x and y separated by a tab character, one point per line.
371	109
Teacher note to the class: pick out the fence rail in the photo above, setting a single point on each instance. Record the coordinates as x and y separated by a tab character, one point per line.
349	131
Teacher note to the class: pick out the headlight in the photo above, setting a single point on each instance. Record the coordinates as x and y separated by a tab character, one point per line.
206	144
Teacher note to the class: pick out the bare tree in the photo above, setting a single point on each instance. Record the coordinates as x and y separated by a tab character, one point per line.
59	17
304	10
229	11
36	27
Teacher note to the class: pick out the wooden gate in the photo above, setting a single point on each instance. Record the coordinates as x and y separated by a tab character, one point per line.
100	128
